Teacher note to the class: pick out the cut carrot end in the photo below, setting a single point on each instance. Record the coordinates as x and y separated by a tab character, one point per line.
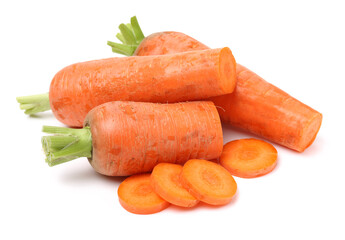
209	182
165	180
309	132
137	196
227	69
249	158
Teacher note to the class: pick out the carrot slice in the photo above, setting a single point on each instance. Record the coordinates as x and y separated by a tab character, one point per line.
165	180
249	158
208	181
137	196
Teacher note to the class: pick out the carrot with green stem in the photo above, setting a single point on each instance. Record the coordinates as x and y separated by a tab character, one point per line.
255	105
78	88
124	138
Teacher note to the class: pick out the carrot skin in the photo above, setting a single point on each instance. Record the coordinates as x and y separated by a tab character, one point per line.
255	105
133	137
166	43
193	75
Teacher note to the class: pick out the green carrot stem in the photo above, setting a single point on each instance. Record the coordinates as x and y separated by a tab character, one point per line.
66	144
120	37
34	104
129	26
139	35
127	34
130	35
123	49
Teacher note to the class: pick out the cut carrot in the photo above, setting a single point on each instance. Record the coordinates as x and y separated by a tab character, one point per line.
249	158
165	180
255	105
125	138
137	196
261	108
208	181
179	77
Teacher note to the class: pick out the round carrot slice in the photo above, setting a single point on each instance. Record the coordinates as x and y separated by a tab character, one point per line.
208	181
137	196
248	158
165	180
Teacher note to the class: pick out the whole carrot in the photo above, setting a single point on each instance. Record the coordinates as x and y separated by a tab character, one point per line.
255	105
78	88
124	138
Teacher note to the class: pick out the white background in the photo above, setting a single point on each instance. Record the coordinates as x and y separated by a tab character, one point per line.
296	45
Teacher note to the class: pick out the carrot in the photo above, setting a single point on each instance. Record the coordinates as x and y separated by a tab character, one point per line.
248	158
165	180
255	105
125	138
208	181
137	196
78	88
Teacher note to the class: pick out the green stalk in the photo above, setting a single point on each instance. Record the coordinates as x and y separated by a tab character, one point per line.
130	35
120	37
122	48
127	34
66	144
139	35
34	104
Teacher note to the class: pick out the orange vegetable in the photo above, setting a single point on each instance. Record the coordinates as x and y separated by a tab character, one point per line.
78	88
269	112
256	105
208	181
165	180
137	196
249	158
125	138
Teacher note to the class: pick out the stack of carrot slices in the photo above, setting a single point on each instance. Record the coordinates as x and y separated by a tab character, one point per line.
197	180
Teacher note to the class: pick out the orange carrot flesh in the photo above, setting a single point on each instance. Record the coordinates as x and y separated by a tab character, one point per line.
165	180
137	196
208	181
249	158
133	137
255	105
185	76
269	112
